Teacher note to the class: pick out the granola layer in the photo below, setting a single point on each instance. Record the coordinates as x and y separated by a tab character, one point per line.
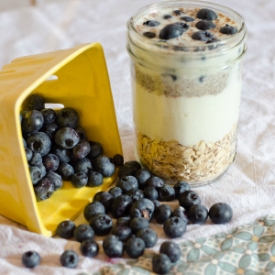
197	164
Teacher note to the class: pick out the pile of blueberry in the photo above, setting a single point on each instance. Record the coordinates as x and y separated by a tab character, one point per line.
57	149
137	199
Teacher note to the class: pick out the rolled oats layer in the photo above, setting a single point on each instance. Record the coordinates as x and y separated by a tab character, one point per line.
199	163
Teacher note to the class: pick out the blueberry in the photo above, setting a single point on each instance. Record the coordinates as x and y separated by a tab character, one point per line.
156	203
36	160
171	249
213	40
69	259
67	117
44	189
127	183
187	18
50	130
112	246
81	133
142	208
135	194
24	142
35	102
49	115
79	179
205	25
135	247
162	213
121	206
227	29
43	170
51	162
129	168
156	182
31	259
83	232
94	178
118	160
65	170
65	229
89	248
115	191
166	193
81	150
167	16
92	209
177	12
202	36
181	187
179	212
29	153
64	155
66	138
188	199
123	232
96	149
56	179
101	224
174	227
32	121
82	165
125	221
105	198
151	193
148	235
138	223
161	263
197	214
206	14
142	175
151	23
103	165
173	30
39	143
150	34
220	213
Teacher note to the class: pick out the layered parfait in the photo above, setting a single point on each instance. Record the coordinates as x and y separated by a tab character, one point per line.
186	77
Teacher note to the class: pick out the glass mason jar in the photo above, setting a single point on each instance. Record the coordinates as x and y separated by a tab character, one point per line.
185	96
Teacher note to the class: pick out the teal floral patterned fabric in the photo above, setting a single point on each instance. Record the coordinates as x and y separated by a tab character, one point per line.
248	250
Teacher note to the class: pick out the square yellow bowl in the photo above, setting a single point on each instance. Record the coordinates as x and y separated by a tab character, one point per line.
76	78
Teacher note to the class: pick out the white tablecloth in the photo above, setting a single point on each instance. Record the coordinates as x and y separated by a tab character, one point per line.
249	184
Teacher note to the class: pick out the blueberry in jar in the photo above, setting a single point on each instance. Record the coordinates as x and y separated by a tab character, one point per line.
207	14
220	213
65	229
151	23
89	248
227	29
67	117
112	246
202	36
150	34
172	250
69	259
172	31
187	18
31	259
205	25
161	263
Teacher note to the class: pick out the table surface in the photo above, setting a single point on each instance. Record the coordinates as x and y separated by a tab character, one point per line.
248	185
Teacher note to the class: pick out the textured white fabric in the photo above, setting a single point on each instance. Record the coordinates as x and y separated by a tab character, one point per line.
248	185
